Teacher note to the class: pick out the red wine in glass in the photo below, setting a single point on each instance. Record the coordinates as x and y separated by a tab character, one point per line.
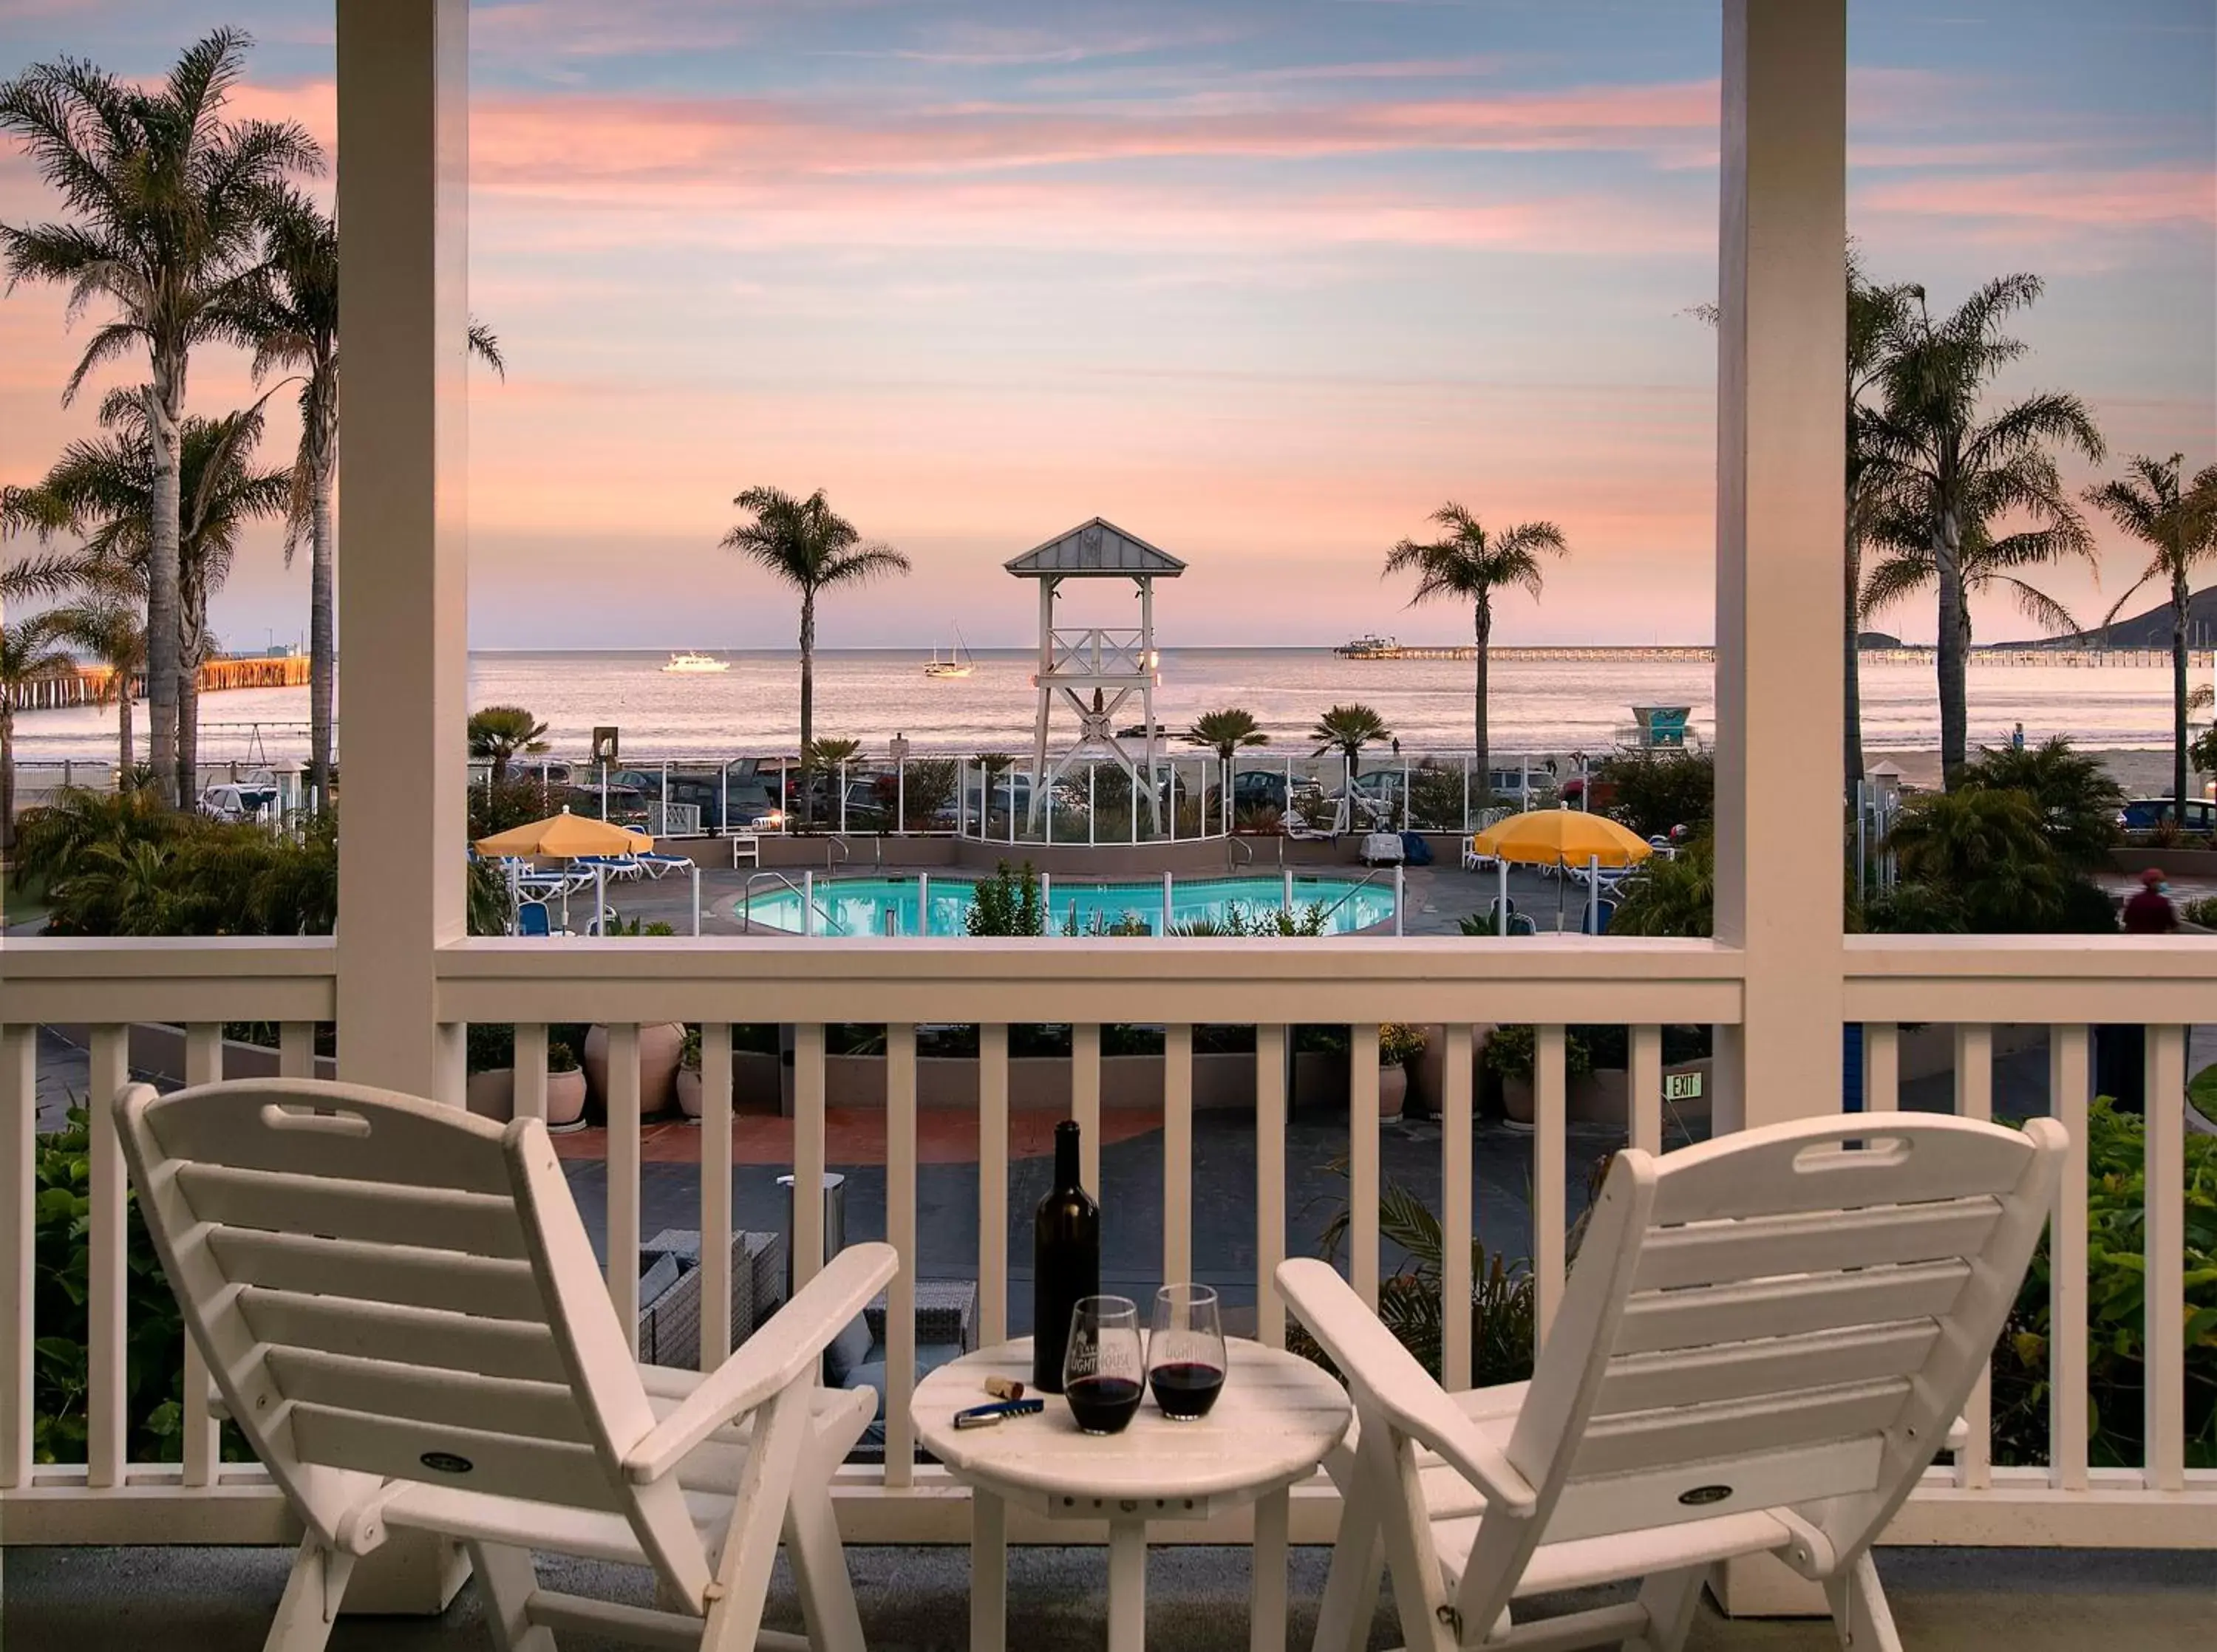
1185	1389
1103	1405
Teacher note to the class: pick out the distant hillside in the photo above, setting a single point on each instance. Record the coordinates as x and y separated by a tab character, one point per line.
2150	629
1876	640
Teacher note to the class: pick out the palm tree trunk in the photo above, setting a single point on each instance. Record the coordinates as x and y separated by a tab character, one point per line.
1952	649
188	736
807	703
7	775
323	651
1851	666
1482	621
163	398
2179	598
123	741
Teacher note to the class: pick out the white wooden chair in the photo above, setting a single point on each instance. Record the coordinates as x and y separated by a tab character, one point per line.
1764	1341
402	1311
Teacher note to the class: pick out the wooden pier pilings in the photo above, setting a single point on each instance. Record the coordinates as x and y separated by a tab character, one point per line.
89	685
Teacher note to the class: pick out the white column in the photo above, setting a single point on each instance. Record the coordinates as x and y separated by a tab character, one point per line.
403	178
1782	352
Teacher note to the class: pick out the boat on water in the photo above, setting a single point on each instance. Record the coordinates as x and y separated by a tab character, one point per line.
688	664
1368	648
957	664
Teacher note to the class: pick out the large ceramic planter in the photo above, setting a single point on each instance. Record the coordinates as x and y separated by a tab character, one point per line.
1602	1096
689	1091
1517	1102
1393	1091
492	1095
661	1045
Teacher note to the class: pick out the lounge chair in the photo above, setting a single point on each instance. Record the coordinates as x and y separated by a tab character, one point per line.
531	919
661	866
629	867
403	1315
1764	1341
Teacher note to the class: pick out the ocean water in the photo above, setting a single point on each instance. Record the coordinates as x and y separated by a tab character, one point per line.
1536	706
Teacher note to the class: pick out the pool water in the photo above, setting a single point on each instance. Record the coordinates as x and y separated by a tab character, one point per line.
888	906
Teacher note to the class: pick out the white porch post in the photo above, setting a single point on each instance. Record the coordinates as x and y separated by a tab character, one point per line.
1782	352
1780	459
403	177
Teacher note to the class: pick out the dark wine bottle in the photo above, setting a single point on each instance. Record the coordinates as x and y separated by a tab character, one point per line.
1066	1260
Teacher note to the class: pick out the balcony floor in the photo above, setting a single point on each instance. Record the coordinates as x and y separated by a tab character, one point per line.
916	1601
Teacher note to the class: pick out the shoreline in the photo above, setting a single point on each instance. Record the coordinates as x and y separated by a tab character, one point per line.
2143	771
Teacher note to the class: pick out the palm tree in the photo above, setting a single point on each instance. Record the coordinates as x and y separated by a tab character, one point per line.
1943	473
105	490
1469	565
295	325
1226	733
107	630
2180	525
804	543
1875	314
28	655
1346	730
165	199
2077	798
499	733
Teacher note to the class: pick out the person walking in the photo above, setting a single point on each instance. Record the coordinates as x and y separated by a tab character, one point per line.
2150	912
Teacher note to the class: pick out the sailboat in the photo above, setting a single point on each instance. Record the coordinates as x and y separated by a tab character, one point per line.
957	664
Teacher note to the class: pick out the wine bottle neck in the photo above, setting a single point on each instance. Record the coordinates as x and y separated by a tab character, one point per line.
1066	1158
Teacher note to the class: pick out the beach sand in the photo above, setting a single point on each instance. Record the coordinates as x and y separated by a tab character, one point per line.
2143	771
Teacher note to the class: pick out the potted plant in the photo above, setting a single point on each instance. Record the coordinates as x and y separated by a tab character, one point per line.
689	1074
490	1090
1398	1043
565	1088
1511	1054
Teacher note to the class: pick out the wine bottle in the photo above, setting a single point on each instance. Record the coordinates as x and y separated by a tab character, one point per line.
1066	1260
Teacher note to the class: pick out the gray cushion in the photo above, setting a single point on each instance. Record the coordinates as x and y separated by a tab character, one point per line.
851	1348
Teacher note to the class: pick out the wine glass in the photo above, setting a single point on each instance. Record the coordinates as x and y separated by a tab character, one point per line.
1185	1351
1102	1375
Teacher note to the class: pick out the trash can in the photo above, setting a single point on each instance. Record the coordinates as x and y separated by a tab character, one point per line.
834	1221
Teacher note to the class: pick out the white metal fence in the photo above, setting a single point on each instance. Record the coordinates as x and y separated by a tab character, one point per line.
1972	984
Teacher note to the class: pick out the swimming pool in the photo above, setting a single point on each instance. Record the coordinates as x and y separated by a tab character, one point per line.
888	906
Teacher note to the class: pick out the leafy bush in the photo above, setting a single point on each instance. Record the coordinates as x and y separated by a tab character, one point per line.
1008	903
1654	791
2203	911
926	787
2116	1332
1512	1052
1267	920
2073	794
1398	1043
561	1057
1673	896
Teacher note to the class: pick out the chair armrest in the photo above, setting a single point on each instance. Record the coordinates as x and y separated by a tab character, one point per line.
1389	1378
783	1351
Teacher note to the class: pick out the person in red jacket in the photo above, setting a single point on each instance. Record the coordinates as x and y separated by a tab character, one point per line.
2150	912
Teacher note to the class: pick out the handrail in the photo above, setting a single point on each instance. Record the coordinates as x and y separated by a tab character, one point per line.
1236	846
1361	883
846	850
747	902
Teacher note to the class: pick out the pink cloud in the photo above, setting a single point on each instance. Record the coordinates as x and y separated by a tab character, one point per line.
2134	199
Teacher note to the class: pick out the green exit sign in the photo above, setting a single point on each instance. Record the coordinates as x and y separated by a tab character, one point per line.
1681	1087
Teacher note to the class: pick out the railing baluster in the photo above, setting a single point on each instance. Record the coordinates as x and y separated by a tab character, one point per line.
18	1051
1085	1101
900	1234
715	1192
1881	1066
623	1176
1177	1153
203	1065
1550	1112
106	1327
807	1152
2069	1079
1974	1098
993	1182
1644	1087
1271	1058
530	1075
1457	1220
296	1050
2165	1298
1363	1162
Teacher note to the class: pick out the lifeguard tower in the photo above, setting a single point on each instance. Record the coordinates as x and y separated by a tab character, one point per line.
1096	669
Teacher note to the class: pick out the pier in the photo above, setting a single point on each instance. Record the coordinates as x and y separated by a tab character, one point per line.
1701	654
92	685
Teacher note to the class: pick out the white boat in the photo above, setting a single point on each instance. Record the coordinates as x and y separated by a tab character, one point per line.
696	664
956	664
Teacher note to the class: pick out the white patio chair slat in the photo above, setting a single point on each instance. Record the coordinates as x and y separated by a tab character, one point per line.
434	1219
400	1306
496	1288
1710	1252
1775	1378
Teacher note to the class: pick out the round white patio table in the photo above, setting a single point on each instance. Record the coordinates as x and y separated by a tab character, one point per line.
1276	1419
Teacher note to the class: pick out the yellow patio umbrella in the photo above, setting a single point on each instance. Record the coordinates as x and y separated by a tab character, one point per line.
1563	838
565	837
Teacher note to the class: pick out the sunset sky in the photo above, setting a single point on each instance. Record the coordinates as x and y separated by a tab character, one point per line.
1264	283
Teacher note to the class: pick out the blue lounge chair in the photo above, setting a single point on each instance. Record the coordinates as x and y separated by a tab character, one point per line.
661	866
531	919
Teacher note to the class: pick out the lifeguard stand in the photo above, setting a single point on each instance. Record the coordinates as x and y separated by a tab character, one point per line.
1096	669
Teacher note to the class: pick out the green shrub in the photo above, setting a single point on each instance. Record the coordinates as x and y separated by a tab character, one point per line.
2116	1334
1398	1043
1008	903
1513	1051
2203	911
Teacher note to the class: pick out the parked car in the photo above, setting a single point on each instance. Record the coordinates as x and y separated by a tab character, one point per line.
234	803
2148	814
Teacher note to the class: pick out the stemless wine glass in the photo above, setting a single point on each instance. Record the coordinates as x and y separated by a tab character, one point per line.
1102	1376
1185	1351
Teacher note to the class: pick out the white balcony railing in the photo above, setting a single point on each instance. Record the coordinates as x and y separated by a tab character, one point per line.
1972	983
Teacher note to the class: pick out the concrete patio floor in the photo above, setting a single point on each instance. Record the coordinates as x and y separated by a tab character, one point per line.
916	1601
